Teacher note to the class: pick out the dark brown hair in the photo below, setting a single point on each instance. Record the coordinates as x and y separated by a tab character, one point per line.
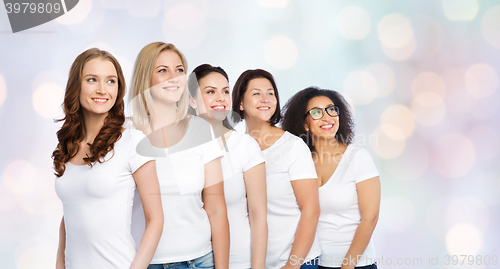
241	85
72	131
200	72
296	108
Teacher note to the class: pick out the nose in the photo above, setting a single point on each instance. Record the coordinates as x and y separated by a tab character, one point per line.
101	87
219	97
264	99
172	77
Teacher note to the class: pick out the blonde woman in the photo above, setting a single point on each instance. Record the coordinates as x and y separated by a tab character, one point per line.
196	229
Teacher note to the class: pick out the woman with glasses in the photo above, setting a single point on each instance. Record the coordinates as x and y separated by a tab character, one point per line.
349	182
292	190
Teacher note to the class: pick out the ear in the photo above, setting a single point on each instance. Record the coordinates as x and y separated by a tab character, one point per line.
306	127
241	106
192	103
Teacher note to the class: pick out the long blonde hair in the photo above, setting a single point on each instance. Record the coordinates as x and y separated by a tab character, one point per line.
141	83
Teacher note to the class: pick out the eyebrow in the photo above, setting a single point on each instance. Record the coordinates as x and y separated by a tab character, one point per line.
257	89
167	66
213	87
93	75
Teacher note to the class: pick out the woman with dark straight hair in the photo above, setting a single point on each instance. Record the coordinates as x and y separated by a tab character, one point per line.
349	182
292	190
98	168
242	165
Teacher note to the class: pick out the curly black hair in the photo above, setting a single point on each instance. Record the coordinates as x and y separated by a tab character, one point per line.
296	108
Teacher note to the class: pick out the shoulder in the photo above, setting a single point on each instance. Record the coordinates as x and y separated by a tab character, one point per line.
200	127
296	141
358	154
132	134
198	122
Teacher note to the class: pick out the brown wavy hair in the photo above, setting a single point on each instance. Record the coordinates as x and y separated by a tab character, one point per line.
72	131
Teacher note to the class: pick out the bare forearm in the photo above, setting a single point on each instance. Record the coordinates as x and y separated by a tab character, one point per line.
304	238
359	243
148	244
258	230
220	238
60	264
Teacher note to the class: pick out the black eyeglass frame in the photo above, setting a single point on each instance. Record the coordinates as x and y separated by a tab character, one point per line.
323	110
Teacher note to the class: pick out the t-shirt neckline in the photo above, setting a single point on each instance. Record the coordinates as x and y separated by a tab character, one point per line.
277	142
347	151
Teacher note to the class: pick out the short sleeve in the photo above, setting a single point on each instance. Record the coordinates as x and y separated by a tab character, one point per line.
211	151
302	166
365	167
253	153
139	150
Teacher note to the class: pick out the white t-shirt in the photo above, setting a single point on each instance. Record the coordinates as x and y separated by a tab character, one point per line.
340	215
243	153
287	159
181	173
97	205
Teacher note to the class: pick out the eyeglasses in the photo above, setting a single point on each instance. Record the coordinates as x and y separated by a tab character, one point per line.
318	113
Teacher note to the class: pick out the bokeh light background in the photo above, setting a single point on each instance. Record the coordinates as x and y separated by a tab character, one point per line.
422	77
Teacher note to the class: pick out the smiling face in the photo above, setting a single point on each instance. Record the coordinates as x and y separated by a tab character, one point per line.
259	100
327	126
99	87
168	80
213	97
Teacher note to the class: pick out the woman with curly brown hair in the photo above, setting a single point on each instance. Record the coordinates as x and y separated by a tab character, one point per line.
98	169
349	192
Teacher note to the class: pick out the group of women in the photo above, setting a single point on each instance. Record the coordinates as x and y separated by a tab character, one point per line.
178	187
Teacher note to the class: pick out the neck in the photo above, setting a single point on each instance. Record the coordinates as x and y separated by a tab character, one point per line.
328	147
258	129
163	115
218	127
93	124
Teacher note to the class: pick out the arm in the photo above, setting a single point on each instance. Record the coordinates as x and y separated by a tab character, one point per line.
369	204
215	206
255	184
149	189
62	246
306	192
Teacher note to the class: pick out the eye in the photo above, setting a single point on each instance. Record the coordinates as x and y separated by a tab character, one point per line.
163	70
111	81
316	112
180	70
210	92
256	93
226	92
270	93
91	80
